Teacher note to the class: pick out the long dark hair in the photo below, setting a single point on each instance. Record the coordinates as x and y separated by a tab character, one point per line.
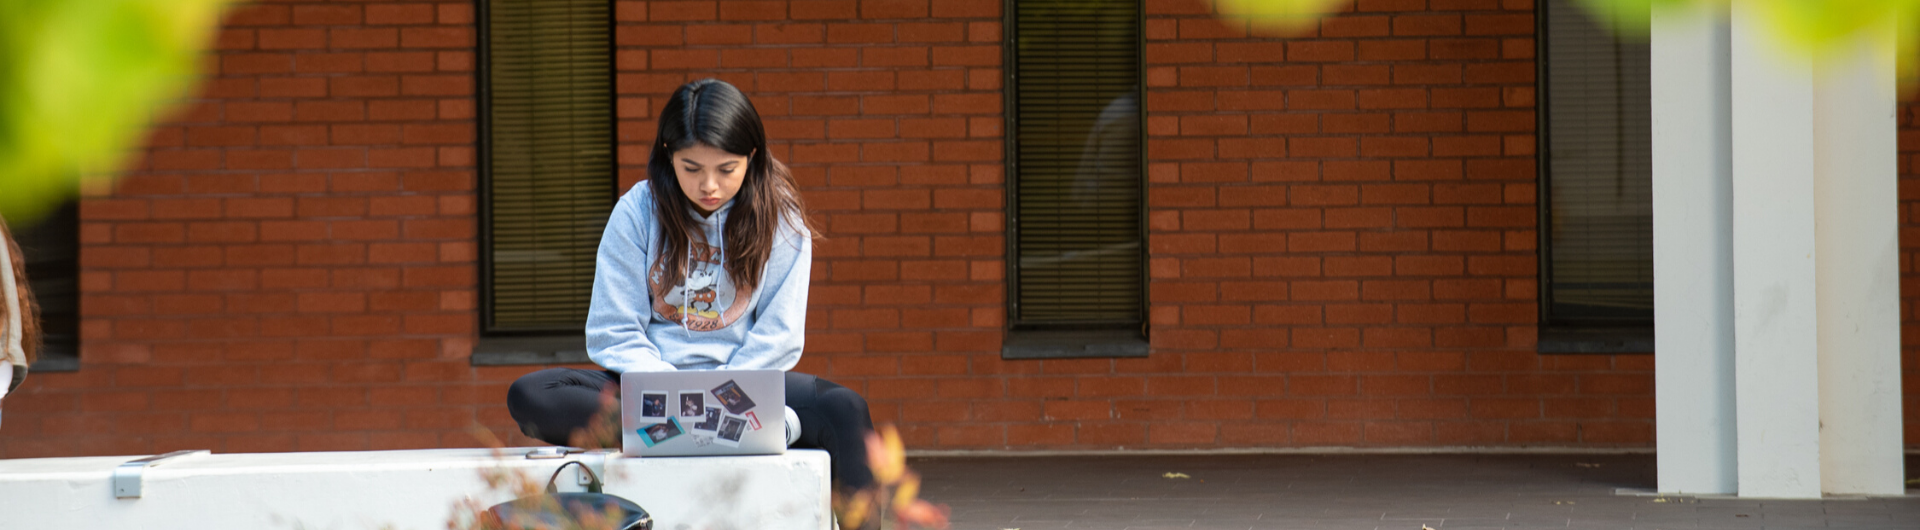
713	113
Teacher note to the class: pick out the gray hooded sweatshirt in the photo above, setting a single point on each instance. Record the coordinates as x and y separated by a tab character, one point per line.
704	322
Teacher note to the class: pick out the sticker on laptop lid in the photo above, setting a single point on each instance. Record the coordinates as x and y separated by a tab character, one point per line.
660	432
733	397
709	423
732	428
653	406
693	404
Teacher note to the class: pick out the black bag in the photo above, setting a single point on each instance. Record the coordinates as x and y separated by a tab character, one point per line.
555	509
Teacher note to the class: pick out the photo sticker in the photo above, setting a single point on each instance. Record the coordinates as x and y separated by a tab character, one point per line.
653	406
657	433
753	421
731	429
710	422
693	404
735	399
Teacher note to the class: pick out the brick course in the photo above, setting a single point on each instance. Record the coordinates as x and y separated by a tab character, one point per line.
1341	235
291	265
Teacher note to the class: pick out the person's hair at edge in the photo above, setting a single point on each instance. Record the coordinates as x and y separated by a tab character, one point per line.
713	113
29	320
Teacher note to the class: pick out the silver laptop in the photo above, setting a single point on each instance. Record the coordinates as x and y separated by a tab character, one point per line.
703	412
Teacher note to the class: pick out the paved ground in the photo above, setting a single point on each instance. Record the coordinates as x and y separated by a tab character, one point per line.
1362	492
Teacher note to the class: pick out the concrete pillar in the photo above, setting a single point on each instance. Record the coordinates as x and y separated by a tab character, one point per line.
1857	241
1777	330
1775	319
1693	252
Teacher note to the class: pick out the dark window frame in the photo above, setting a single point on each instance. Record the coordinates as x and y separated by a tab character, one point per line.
1025	341
1557	335
495	347
59	349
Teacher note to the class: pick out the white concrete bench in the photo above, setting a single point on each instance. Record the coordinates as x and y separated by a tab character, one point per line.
404	490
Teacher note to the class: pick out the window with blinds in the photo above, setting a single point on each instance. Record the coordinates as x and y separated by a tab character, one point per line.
51	248
1075	150
548	176
1597	241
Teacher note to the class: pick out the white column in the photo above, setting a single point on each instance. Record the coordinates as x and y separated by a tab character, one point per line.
1693	252
1858	245
1776	368
1776	262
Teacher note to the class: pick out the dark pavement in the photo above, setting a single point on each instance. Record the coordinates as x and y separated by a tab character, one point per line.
1359	492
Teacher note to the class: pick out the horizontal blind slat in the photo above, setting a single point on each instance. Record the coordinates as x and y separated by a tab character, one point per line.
1599	174
550	158
1078	175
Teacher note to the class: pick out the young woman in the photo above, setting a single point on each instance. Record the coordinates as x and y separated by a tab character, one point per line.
703	267
19	321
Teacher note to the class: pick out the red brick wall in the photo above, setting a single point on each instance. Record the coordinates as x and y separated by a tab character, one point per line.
1910	277
291	267
1343	244
889	113
1342	235
1342	226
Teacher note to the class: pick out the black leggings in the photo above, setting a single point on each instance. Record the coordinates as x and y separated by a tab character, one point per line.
551	404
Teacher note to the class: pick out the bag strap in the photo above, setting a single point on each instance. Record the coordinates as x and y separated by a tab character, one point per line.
593	481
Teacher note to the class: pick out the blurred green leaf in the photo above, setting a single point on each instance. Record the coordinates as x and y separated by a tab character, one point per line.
1807	24
1277	17
1810	27
1802	25
80	80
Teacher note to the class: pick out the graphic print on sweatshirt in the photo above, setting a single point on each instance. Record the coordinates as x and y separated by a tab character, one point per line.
707	300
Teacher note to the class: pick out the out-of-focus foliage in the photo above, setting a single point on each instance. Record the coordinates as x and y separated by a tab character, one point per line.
80	80
1803	25
1809	27
1280	17
895	487
471	514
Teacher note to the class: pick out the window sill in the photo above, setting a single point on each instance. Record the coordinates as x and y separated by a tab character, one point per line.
54	363
1596	340
1076	344
515	351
